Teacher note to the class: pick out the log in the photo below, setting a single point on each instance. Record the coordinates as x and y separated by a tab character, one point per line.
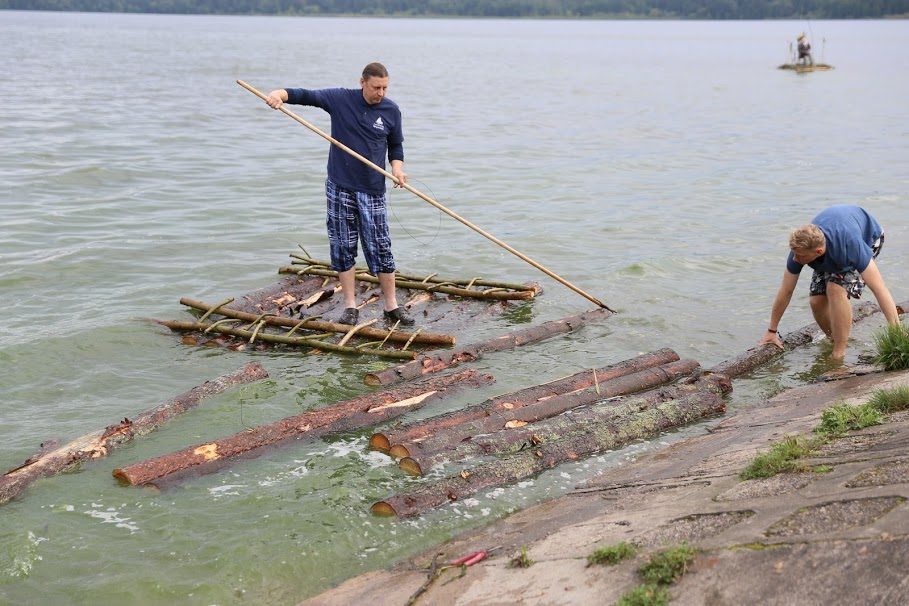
544	409
98	444
529	462
429	363
397	336
549	429
415	432
285	340
758	356
351	414
495	294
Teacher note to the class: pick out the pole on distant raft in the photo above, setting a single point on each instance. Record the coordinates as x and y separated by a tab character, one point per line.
428	199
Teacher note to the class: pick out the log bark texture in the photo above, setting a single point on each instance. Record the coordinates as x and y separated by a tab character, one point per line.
352	414
529	462
426	364
414	432
397	336
95	445
577	420
505	419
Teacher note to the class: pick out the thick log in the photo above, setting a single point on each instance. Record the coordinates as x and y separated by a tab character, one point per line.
577	420
544	409
397	336
95	445
351	414
758	356
529	462
285	340
426	364
495	294
417	431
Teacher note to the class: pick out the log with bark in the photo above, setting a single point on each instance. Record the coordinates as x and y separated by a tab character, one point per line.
386	441
356	413
515	467
506	419
50	461
517	437
397	336
430	363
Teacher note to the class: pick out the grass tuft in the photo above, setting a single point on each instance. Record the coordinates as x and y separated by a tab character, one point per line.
522	560
892	344
611	554
891	400
667	566
645	595
784	457
841	417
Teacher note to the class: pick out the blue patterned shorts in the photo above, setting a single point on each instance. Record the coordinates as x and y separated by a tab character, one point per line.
851	280
354	216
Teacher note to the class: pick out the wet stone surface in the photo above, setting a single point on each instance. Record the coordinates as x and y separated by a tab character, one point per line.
833	517
893	472
847	444
691	528
767	487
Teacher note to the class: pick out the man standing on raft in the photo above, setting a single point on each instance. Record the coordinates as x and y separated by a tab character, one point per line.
366	121
841	245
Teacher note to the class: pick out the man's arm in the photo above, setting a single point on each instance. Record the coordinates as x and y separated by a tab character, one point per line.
874	280
397	169
276	98
780	303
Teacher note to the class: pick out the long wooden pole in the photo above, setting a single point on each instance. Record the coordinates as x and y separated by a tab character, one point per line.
428	199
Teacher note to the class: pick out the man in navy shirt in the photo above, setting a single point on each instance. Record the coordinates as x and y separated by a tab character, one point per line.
369	123
840	245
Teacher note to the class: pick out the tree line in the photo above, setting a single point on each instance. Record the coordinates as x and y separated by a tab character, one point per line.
572	9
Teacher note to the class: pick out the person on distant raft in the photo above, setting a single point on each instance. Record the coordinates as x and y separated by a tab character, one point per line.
369	123
840	244
804	48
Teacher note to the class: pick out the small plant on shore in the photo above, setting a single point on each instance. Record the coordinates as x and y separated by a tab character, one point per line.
891	400
522	560
892	345
645	595
667	566
841	417
784	457
611	554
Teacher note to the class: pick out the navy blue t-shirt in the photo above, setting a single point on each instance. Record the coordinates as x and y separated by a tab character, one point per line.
850	231
370	130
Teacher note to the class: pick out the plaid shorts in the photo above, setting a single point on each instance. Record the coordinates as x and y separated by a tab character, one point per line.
354	216
851	280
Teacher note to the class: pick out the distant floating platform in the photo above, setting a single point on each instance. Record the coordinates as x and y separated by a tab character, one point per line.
817	67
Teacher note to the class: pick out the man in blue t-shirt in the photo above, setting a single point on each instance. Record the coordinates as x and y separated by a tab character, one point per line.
840	245
367	122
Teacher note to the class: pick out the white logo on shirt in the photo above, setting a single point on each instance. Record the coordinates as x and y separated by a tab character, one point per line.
378	124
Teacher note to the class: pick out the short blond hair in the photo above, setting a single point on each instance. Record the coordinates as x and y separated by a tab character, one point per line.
806	237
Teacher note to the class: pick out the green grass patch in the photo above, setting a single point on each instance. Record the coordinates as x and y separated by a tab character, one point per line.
645	595
667	566
892	346
611	554
522	560
891	400
822	469
841	417
784	457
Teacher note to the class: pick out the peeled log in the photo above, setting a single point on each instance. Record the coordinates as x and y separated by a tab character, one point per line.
428	363
549	407
97	444
613	412
516	467
421	429
355	413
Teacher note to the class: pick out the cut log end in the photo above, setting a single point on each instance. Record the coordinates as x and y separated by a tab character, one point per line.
372	379
410	466
383	509
378	441
399	451
121	475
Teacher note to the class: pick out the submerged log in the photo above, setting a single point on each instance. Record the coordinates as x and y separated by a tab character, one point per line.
433	363
253	335
512	468
50	461
352	414
415	432
506	419
397	336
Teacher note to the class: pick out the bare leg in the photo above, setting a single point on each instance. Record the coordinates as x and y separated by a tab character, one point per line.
389	297
820	308
348	287
840	318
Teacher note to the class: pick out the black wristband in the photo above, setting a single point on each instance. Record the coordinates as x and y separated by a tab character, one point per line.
771	330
